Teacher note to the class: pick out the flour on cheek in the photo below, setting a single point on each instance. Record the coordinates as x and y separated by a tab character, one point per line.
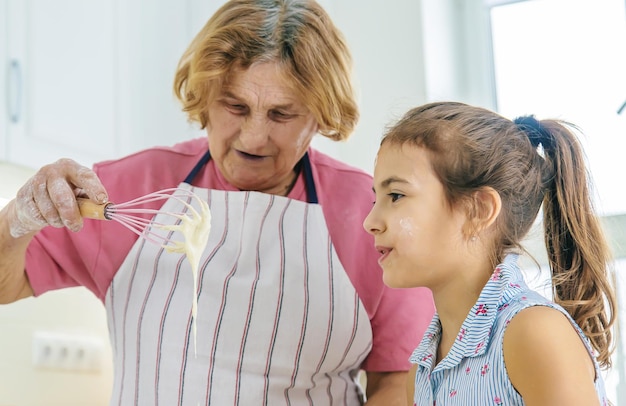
406	225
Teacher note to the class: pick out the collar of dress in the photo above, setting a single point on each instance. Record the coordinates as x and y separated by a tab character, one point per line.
473	338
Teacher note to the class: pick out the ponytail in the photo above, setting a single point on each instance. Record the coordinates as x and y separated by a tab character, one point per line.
578	253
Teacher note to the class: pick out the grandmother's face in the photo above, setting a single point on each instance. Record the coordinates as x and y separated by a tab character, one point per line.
259	129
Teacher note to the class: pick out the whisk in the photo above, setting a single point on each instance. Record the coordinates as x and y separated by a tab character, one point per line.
193	225
131	214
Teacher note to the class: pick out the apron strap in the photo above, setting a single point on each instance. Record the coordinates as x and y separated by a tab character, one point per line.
311	192
198	167
306	169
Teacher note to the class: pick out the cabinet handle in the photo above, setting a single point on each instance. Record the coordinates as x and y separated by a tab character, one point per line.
15	95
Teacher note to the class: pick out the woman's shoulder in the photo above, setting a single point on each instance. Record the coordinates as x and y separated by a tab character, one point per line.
150	169
181	151
338	174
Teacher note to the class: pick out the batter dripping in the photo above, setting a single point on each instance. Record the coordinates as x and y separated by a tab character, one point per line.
195	229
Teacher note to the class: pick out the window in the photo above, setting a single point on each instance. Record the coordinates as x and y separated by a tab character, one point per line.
567	59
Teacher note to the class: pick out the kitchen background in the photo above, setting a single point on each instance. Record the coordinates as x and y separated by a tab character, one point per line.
91	80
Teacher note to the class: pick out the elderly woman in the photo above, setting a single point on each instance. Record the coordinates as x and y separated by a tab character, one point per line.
291	303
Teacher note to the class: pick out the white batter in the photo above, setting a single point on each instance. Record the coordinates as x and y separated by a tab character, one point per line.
195	227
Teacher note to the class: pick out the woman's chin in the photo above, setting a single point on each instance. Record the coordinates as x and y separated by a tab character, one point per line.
247	181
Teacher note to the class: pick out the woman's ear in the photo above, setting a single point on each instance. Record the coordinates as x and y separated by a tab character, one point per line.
483	209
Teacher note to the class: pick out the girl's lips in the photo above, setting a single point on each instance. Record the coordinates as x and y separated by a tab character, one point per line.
384	252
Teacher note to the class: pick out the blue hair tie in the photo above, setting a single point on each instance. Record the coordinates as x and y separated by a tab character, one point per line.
537	133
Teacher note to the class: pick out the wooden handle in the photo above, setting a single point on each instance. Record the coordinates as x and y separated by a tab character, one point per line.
91	210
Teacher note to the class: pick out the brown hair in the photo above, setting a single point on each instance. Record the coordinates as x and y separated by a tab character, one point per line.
297	34
472	148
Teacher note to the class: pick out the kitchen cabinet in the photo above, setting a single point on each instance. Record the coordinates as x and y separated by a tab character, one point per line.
3	74
90	79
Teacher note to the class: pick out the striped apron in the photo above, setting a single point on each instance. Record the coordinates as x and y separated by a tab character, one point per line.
278	319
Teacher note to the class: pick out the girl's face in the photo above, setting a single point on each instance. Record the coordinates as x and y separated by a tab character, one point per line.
418	235
258	129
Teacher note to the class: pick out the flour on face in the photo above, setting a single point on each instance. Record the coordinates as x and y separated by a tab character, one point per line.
406	226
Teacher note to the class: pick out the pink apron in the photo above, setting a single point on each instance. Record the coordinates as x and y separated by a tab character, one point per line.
278	320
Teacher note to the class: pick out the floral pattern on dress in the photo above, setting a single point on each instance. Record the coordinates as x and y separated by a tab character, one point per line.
473	371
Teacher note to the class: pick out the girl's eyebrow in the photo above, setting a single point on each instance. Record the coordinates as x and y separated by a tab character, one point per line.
392	179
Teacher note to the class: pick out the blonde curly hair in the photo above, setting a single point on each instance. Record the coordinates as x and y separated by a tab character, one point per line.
297	34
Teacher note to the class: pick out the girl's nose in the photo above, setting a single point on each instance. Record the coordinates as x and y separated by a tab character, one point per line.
371	224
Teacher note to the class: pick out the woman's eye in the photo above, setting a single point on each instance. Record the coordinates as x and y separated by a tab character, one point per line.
395	196
279	115
234	107
237	107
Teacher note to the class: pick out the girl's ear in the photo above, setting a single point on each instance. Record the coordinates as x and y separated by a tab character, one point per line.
483	209
490	203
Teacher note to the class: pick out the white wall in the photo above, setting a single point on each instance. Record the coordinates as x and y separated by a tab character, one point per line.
386	44
406	53
152	40
74	312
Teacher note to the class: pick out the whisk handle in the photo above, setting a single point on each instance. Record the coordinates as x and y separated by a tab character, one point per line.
91	210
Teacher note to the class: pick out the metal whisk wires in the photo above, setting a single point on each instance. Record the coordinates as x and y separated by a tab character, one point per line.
132	214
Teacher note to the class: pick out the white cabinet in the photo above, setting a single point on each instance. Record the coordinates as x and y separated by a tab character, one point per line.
3	83
61	80
90	79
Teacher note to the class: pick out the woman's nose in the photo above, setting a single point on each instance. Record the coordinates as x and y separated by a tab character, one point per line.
255	131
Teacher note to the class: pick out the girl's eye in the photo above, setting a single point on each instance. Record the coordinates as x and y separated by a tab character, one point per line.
395	196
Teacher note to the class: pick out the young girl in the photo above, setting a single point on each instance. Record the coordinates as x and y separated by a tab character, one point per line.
457	188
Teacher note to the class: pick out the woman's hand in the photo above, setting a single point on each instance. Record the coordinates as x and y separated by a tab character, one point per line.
49	198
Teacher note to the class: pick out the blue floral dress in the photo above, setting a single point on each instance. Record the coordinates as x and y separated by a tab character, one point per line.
473	372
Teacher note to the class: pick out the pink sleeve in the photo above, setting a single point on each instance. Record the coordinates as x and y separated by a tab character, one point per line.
398	325
59	258
398	317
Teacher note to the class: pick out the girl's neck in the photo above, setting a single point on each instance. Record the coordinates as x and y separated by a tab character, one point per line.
454	302
451	322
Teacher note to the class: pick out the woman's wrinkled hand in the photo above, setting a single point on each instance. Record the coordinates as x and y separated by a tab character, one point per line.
49	198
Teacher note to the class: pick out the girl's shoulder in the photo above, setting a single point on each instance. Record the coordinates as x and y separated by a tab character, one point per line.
546	352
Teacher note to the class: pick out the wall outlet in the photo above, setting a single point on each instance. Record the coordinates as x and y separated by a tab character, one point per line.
68	352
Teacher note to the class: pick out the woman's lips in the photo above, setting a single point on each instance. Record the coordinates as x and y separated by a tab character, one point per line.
251	157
